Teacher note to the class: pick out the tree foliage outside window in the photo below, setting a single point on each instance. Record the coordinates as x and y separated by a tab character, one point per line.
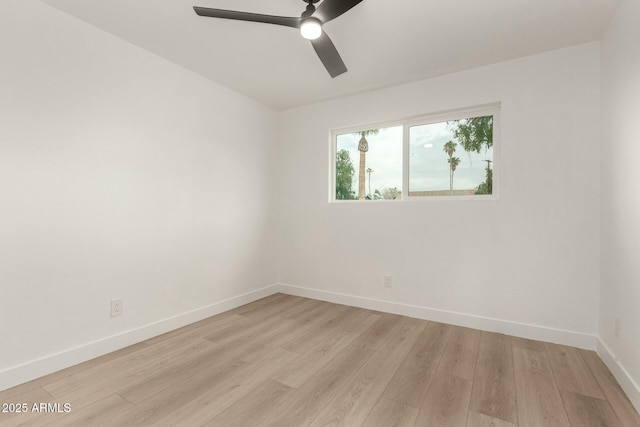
474	134
344	176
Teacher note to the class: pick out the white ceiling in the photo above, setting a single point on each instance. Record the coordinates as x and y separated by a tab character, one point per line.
382	42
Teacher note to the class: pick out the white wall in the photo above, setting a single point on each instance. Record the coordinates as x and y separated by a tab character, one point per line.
121	176
620	280
530	257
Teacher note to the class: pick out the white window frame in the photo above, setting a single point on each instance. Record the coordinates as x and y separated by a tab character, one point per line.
492	109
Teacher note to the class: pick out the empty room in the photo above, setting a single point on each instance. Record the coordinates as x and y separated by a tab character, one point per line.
320	212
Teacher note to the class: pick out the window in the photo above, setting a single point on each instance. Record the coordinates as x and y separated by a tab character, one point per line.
369	164
447	155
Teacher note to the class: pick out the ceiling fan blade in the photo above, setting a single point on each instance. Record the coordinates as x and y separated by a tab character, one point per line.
329	55
331	9
248	16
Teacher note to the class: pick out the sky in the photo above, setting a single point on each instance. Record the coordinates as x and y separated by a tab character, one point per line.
428	165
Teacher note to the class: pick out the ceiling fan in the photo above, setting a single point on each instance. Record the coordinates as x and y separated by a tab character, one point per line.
310	25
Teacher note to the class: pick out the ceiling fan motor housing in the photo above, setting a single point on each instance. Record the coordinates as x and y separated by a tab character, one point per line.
310	10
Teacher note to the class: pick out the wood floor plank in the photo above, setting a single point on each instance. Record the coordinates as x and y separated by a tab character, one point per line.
446	403
411	381
460	355
304	342
353	403
585	411
538	400
114	366
246	328
29	397
373	337
99	381
98	413
254	342
219	321
616	397
494	388
64	373
256	325
260	344
301	341
249	410
86	388
201	328
308	364
22	389
302	406
303	311
476	419
268	301
287	331
307	307
291	309
345	313
222	394
527	344
205	364
322	309
389	413
571	372
183	386
278	304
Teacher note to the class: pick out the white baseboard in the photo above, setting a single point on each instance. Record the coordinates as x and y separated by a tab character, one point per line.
541	333
31	370
619	372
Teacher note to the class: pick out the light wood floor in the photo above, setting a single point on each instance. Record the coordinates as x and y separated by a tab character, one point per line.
291	361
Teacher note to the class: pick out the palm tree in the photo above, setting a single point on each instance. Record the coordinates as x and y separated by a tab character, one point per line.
369	170
363	147
450	148
453	164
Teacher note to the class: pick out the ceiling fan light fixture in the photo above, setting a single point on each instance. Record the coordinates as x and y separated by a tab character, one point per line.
311	28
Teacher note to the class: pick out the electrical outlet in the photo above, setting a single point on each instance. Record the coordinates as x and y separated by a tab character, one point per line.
616	326
388	281
117	307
